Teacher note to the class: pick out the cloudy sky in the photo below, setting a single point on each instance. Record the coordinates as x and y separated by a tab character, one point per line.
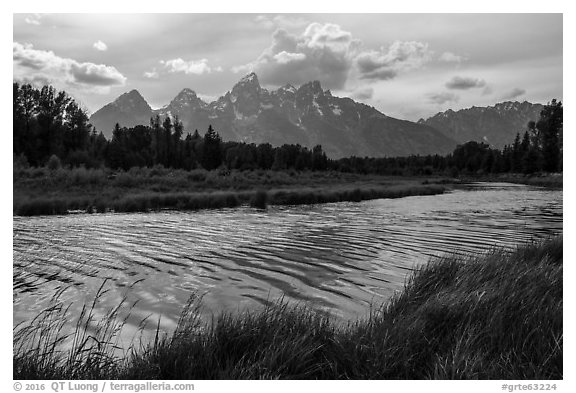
406	65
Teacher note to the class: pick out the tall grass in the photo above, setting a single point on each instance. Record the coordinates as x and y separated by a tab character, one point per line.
495	316
144	201
44	191
351	194
46	349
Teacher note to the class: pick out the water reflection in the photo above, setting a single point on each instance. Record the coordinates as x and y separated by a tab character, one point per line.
335	257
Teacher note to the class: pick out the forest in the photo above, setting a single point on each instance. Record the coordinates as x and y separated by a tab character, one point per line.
51	129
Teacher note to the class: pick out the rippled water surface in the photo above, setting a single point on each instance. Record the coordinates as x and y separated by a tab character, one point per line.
336	257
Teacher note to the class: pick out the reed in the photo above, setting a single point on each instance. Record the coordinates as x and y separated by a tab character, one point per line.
493	316
158	198
46	349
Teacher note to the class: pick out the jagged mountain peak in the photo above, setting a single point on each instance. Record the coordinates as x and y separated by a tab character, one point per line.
251	77
187	97
307	115
187	92
312	86
250	80
131	101
511	105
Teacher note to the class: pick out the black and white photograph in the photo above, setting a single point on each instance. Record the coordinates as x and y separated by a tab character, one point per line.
287	196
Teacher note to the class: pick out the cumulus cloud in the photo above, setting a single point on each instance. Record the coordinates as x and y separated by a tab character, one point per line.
196	67
95	74
331	54
99	45
465	83
514	93
449	57
33	19
30	64
322	51
152	74
442	98
287	57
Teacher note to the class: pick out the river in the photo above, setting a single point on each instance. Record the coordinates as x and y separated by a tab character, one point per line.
339	258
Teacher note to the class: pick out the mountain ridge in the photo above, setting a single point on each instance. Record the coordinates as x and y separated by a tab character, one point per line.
496	125
307	115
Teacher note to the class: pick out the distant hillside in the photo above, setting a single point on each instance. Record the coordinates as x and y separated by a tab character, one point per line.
307	115
496	125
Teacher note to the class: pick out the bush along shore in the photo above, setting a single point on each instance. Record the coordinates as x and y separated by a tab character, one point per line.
44	192
547	180
494	316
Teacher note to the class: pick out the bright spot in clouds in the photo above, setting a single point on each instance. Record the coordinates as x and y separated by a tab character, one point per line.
330	54
99	45
197	67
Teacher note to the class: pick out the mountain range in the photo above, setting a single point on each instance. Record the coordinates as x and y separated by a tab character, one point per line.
309	115
495	125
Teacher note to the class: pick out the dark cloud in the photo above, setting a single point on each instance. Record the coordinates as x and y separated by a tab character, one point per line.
514	93
442	98
27	57
465	83
382	74
386	64
45	65
95	74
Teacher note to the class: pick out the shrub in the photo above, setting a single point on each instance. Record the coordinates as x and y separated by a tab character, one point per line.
54	163
259	200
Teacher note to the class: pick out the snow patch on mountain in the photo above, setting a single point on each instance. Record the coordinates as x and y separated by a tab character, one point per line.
317	106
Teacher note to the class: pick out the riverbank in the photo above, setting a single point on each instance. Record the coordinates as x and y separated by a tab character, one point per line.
548	180
40	191
494	316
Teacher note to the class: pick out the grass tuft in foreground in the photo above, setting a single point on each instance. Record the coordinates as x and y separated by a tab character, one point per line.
495	316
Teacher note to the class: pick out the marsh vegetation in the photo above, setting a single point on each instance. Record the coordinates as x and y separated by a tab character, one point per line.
494	316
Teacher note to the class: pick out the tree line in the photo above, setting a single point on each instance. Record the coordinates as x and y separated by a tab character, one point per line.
50	125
